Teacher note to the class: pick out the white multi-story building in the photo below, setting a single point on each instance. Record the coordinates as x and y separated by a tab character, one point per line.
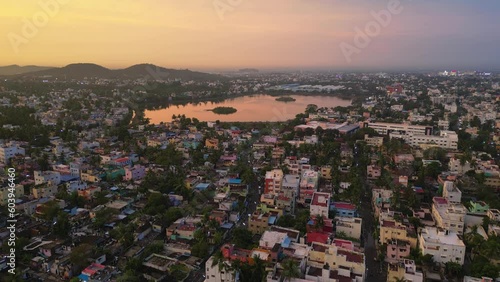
451	192
449	216
213	274
446	139
443	245
320	204
386	128
52	177
9	151
455	165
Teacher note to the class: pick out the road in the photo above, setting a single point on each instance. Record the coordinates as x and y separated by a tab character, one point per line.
374	271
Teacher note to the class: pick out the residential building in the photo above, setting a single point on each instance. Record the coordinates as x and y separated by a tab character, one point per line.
406	269
391	230
478	207
52	177
442	244
9	151
344	209
373	172
326	172
320	204
308	185
212	143
44	191
337	258
451	192
350	226
455	165
374	141
273	180
17	191
259	222
397	250
449	216
137	172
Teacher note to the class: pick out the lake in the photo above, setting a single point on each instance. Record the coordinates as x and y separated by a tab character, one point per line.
250	108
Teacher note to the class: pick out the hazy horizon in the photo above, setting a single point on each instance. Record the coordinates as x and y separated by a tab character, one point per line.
217	36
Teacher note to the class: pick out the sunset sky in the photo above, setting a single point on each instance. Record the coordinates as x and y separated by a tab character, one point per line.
266	34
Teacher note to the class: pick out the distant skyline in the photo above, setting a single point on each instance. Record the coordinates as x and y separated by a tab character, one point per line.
215	35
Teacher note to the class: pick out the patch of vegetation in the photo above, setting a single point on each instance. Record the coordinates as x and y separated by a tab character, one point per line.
285	99
223	110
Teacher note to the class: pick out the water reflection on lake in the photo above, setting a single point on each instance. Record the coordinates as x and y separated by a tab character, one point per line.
250	108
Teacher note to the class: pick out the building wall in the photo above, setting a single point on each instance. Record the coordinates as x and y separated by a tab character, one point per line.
350	226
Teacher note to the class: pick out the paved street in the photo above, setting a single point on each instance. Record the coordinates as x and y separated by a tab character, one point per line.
374	268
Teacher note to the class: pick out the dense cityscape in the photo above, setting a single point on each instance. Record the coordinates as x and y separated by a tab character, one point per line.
400	185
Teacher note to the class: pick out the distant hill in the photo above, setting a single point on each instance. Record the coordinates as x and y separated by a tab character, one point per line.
16	69
145	71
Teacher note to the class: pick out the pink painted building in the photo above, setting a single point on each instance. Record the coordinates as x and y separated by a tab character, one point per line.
136	172
397	250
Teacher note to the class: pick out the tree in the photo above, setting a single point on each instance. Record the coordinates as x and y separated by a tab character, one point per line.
200	249
62	227
453	269
319	222
219	261
242	238
428	260
290	269
129	276
79	255
286	220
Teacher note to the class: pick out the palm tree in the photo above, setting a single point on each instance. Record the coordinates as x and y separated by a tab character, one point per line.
219	261
290	269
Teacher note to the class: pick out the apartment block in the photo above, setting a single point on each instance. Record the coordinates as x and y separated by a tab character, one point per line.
442	244
451	192
391	230
449	216
337	259
386	128
9	151
397	250
273	180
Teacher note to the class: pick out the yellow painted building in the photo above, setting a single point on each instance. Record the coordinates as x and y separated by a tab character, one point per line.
392	230
4	194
